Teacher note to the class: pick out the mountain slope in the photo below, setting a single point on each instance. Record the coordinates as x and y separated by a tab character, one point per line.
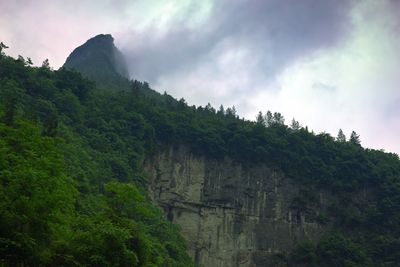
98	59
72	189
245	193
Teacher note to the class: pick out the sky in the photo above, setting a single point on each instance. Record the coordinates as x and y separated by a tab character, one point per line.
328	64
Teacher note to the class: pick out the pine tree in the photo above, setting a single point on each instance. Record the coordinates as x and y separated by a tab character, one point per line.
268	118
231	112
341	137
260	119
295	125
221	111
209	108
278	118
355	138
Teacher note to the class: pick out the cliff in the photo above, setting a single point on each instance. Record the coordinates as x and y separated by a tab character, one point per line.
231	215
262	194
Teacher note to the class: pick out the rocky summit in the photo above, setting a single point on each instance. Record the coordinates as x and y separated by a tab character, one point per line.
100	60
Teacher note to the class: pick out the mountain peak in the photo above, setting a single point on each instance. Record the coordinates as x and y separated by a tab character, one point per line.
100	60
104	39
106	36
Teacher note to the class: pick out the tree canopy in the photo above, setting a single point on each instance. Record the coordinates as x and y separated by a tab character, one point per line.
73	187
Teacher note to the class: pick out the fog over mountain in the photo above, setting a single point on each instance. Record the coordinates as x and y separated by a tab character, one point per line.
329	64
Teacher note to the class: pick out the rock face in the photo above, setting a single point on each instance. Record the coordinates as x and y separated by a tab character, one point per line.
231	215
99	60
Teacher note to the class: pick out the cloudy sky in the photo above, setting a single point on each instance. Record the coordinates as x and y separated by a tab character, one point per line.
329	64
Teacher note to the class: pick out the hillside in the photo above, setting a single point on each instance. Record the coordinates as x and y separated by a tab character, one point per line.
95	162
72	186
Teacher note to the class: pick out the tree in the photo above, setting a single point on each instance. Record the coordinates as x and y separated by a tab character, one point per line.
295	125
29	61
355	138
146	86
21	59
36	196
278	118
341	137
46	64
135	87
304	253
182	103
209	108
260	119
2	46
268	118
48	115
221	111
11	96
231	112
234	111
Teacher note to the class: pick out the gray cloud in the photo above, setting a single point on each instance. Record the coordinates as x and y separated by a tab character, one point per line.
277	33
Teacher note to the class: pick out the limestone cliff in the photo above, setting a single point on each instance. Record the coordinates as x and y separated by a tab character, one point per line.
231	215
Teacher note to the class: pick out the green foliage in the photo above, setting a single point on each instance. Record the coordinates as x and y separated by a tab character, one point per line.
72	185
333	250
304	254
36	196
11	95
85	147
337	250
355	138
341	137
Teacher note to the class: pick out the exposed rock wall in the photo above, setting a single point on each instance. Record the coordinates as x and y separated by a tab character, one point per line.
230	215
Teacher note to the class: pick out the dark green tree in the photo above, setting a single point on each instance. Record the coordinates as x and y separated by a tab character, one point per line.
2	47
36	197
295	125
221	111
278	119
341	137
11	97
354	138
46	64
29	61
260	119
269	120
209	108
231	112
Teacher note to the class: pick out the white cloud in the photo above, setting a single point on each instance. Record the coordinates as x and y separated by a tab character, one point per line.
360	83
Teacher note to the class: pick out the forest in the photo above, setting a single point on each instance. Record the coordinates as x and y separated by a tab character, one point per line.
73	187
